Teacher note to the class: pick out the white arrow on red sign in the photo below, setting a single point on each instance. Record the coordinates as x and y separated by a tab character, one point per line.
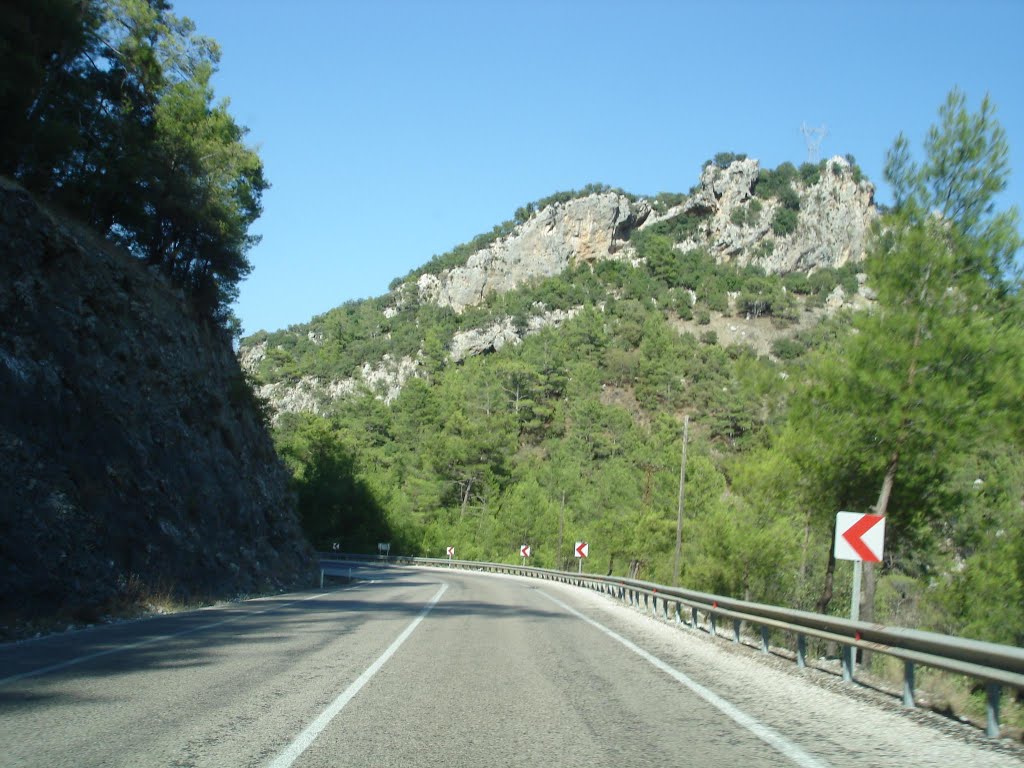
524	551
582	549
859	537
451	551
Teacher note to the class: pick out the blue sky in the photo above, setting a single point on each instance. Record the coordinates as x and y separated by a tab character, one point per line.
394	130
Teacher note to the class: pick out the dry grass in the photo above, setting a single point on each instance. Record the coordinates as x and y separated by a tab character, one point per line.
952	695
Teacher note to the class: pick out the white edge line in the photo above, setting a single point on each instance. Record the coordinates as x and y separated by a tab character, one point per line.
149	640
756	727
303	741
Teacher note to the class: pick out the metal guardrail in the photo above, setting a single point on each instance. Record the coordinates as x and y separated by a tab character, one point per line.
995	665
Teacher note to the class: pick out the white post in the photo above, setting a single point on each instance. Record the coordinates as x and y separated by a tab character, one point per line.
858	571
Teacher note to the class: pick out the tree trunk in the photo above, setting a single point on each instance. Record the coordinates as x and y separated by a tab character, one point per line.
867	607
867	603
826	592
465	499
803	554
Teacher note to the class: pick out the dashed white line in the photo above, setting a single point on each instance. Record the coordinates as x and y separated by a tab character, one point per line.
756	727
302	742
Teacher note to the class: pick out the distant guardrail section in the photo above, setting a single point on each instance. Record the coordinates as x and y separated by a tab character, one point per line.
991	663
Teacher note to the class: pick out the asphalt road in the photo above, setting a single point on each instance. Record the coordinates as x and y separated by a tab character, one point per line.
418	667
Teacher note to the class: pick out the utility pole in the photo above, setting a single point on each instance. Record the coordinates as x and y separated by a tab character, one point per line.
682	496
561	529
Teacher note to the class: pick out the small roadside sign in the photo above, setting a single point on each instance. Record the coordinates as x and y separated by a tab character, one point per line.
451	552
582	549
859	537
524	551
384	548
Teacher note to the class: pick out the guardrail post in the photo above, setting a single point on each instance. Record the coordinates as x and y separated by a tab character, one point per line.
764	640
679	617
321	578
693	617
908	684
736	630
714	624
801	651
994	691
664	608
849	652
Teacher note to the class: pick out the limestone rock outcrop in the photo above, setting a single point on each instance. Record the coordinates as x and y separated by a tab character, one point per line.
310	394
585	229
832	228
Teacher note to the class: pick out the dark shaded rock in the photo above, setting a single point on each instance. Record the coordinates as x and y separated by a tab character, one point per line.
132	456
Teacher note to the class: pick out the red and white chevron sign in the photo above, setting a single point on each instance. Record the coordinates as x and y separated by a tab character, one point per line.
524	551
859	537
582	549
451	551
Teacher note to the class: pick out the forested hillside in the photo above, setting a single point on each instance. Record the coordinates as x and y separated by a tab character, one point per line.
903	397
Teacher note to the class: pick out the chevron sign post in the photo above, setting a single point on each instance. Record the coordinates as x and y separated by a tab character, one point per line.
861	538
581	553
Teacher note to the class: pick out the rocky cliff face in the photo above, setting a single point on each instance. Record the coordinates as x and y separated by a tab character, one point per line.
133	457
586	229
832	225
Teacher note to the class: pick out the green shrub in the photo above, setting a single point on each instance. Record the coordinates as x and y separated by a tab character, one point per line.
797	282
761	296
677	229
784	222
748	215
810	173
709	337
717	300
789	199
815	300
764	249
665	200
681	305
858	174
703	317
770	183
724	159
787	349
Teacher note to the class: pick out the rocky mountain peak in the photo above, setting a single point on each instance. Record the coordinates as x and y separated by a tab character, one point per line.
828	227
583	230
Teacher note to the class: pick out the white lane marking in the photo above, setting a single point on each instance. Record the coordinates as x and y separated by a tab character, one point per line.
149	641
302	742
756	727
